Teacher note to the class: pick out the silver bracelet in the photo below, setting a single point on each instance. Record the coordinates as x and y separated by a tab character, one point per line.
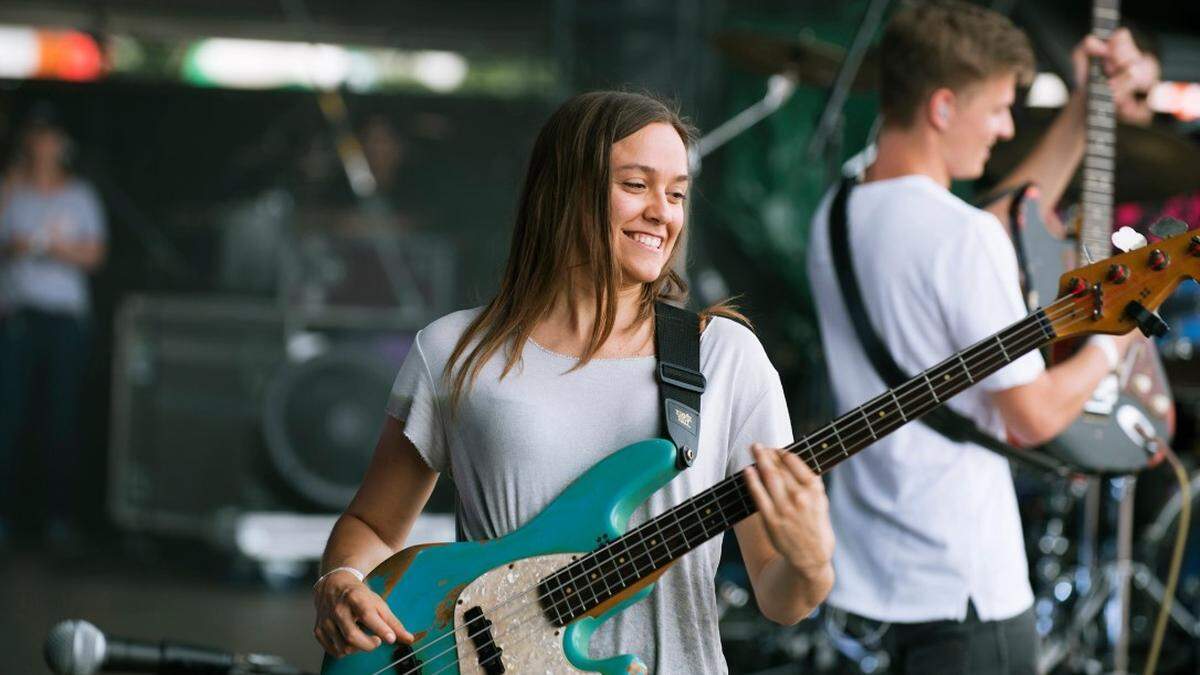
357	574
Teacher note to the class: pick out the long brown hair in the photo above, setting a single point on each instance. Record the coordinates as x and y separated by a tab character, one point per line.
562	224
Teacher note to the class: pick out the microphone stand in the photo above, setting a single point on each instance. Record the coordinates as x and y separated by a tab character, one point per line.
780	88
826	140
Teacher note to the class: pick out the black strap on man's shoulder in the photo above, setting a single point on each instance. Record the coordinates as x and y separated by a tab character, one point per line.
680	382
943	420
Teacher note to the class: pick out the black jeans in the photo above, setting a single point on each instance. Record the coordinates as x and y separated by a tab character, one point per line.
43	358
1007	647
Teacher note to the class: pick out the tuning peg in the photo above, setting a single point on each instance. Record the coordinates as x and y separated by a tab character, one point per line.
1167	227
1150	323
1127	239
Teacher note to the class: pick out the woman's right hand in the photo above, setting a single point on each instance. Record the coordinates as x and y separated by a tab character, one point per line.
352	618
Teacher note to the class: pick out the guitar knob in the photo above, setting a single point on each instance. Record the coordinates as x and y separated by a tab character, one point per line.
1194	247
1161	405
1118	274
1159	260
1076	287
1142	383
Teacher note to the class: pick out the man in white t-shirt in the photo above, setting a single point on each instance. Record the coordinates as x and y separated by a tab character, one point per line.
929	537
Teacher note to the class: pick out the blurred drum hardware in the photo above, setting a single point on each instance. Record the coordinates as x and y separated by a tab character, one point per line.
1070	531
321	259
1159	507
805	60
216	415
1181	347
367	265
1154	164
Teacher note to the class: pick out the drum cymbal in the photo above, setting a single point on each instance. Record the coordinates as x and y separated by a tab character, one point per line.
808	60
1152	164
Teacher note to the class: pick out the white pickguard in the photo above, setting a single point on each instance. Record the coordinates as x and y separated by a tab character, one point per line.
529	642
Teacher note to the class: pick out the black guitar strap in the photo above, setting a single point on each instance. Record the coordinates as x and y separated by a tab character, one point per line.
943	420
680	382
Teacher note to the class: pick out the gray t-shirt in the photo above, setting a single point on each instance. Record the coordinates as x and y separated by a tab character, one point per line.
39	281
515	443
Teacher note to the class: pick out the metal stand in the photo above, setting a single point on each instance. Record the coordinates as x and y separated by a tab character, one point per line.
779	89
1105	590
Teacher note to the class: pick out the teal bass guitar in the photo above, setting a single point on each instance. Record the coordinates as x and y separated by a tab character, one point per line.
529	602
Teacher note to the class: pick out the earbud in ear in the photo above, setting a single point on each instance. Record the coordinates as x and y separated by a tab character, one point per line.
943	112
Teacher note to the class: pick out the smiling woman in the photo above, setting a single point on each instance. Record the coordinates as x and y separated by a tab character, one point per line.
517	399
606	168
649	186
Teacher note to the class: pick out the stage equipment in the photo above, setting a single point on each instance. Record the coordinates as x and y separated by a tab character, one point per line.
1087	615
1152	164
216	415
805	60
77	647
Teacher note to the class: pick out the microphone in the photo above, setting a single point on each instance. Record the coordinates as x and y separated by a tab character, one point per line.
77	647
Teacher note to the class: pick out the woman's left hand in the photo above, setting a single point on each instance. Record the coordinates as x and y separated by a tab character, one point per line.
794	508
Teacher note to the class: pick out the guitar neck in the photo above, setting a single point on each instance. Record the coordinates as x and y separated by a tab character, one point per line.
643	552
1100	156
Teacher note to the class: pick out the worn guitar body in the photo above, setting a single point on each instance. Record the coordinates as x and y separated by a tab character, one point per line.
1105	438
430	588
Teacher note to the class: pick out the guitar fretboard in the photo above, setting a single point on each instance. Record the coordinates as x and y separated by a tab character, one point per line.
620	564
1100	156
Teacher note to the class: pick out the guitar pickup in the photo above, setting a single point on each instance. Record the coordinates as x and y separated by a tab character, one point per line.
479	628
405	660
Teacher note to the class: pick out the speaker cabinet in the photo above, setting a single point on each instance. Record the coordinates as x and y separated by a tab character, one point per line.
219	410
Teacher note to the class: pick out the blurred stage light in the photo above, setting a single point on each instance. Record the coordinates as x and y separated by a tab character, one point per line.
60	55
262	64
440	71
19	55
1181	99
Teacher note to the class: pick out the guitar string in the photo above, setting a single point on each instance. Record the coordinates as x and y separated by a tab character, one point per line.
1019	338
1022	334
1022	339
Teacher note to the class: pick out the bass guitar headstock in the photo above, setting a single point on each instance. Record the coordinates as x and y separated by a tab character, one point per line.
1121	293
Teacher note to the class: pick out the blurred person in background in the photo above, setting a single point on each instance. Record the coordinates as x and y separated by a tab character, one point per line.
52	235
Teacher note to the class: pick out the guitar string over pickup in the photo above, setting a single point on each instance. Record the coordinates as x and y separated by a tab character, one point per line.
479	628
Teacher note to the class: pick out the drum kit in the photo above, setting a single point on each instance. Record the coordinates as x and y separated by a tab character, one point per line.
1099	550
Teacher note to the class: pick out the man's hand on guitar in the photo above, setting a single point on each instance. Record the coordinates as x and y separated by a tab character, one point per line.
351	617
794	508
1130	71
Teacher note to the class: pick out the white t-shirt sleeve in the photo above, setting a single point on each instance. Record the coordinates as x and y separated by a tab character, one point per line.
984	297
767	423
415	402
759	412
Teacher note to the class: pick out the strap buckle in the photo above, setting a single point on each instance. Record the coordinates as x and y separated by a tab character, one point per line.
684	378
